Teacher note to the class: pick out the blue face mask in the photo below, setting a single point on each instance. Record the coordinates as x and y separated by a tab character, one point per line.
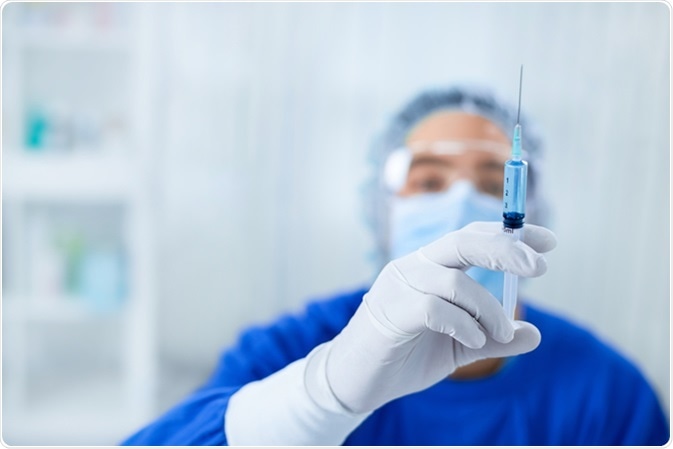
422	219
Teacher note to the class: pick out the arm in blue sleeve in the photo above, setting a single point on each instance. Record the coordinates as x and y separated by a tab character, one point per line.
197	421
261	351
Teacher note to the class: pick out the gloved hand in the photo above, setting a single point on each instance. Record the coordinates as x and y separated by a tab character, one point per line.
424	317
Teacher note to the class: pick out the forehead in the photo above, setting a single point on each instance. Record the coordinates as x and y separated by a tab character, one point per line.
448	125
474	157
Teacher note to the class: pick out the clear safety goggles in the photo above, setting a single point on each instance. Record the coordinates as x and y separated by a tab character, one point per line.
399	162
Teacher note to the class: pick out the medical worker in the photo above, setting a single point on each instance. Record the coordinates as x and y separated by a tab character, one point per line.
425	355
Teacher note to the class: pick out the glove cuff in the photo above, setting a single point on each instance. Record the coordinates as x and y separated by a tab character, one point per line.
281	411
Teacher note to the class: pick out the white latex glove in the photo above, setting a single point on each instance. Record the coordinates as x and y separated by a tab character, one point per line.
424	317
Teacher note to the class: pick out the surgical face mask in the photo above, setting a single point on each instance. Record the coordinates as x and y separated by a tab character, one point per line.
421	219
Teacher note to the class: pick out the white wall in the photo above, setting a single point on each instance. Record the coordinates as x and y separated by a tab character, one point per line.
268	109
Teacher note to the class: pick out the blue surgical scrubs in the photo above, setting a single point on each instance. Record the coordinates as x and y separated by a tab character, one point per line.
572	390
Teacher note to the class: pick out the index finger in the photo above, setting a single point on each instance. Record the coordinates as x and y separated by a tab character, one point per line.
539	238
485	245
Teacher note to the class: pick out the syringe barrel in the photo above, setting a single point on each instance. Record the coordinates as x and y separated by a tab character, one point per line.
514	195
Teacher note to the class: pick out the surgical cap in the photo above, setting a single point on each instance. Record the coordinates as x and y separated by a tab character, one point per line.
472	100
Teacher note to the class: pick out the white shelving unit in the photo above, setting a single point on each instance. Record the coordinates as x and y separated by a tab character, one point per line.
78	303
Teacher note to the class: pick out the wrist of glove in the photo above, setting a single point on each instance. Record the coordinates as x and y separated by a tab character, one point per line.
279	411
424	317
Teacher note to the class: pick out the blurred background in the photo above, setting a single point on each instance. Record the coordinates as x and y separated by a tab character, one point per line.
174	172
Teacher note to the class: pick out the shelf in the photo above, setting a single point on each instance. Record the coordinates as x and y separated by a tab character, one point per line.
67	177
76	156
54	309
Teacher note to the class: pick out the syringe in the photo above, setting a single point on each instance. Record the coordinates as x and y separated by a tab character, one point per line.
514	206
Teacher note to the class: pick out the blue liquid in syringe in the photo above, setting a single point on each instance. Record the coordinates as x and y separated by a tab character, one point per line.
514	195
516	178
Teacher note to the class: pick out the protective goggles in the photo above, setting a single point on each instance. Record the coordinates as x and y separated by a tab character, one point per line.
400	161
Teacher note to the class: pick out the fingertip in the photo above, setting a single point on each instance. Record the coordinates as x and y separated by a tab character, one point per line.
539	238
527	331
540	266
550	241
